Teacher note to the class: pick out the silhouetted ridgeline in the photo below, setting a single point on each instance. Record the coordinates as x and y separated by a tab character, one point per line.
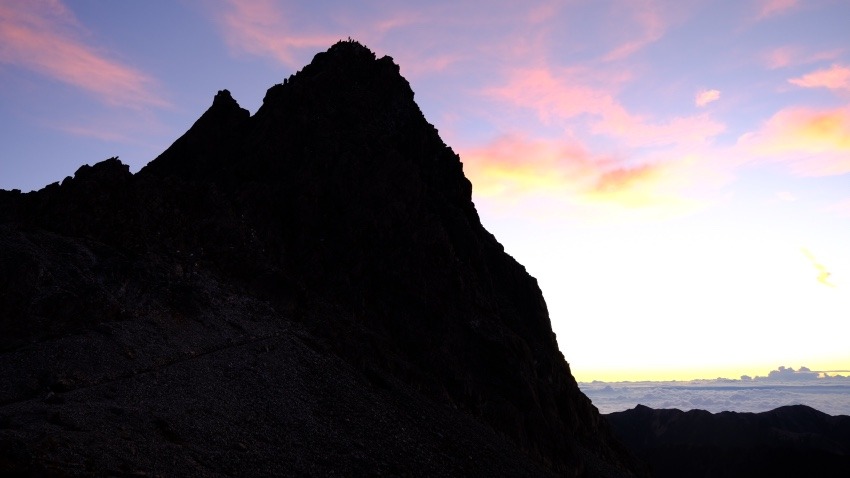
304	291
792	441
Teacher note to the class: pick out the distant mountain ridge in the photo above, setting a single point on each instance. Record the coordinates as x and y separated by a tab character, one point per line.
305	291
790	441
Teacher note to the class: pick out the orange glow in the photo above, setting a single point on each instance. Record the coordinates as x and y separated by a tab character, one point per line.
623	178
514	168
511	166
813	142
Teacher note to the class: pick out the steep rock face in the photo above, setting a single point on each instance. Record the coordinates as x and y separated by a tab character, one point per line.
338	207
789	441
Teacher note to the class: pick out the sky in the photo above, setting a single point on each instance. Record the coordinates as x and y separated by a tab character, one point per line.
676	174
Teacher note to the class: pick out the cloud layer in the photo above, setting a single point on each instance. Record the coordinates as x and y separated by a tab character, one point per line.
784	386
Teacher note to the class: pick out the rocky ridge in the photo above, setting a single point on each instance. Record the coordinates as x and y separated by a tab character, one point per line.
274	288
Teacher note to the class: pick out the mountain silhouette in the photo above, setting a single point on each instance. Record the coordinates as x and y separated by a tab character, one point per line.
305	291
790	441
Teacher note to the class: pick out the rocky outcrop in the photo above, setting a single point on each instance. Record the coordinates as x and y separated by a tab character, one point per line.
333	222
789	441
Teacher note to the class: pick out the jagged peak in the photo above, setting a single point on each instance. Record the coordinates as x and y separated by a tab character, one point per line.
224	104
206	142
345	55
224	98
352	47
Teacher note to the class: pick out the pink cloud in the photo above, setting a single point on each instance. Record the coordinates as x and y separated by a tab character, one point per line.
836	77
260	28
705	97
786	56
564	96
781	57
43	36
813	142
580	95
769	8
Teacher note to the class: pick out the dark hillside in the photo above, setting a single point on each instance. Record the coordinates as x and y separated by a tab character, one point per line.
789	442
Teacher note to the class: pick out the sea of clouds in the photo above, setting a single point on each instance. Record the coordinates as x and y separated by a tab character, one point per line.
829	393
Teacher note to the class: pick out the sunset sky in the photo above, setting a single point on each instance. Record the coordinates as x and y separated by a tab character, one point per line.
676	174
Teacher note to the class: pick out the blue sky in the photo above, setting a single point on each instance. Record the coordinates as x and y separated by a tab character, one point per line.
675	173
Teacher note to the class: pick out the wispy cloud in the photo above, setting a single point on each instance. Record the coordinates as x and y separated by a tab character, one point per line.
648	17
813	142
137	130
641	131
44	36
544	12
780	57
397	21
267	29
261	28
836	77
770	8
786	56
705	97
